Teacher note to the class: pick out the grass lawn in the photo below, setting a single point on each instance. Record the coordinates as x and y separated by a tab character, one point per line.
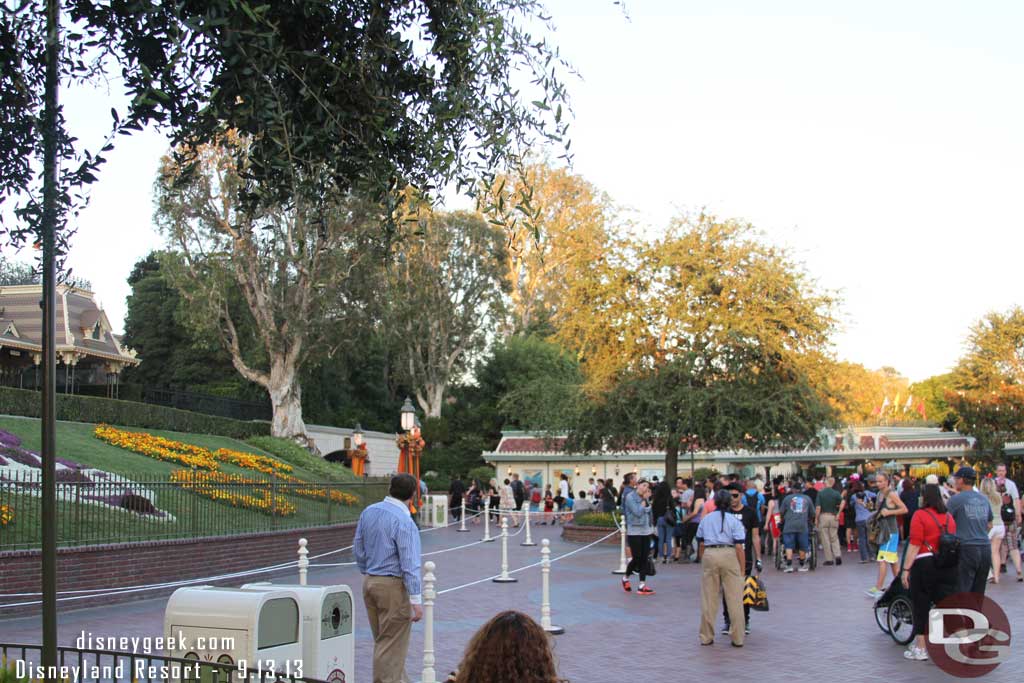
195	515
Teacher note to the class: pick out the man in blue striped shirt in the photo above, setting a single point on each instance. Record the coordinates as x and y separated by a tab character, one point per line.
387	550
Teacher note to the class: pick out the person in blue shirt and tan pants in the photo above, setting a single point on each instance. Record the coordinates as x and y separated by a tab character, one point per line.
387	551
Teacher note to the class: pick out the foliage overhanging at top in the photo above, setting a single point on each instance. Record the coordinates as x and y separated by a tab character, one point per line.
368	96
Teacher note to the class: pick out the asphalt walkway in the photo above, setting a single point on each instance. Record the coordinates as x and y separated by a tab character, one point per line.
820	624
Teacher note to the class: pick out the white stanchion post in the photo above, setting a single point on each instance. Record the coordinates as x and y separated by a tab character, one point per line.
429	581
504	578
545	604
528	541
462	516
487	521
303	561
622	549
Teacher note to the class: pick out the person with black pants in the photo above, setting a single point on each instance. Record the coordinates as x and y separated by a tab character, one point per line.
752	548
636	510
928	583
973	515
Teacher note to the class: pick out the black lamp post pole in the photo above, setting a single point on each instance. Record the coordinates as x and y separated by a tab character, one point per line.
49	303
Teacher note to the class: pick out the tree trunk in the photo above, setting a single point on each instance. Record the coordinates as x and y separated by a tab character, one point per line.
671	459
286	400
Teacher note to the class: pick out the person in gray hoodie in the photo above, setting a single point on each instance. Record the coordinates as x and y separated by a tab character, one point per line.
636	512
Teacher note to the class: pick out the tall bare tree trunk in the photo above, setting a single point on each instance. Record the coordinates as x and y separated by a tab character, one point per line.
286	400
671	458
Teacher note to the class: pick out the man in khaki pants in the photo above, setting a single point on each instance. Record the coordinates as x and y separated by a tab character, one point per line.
721	538
826	517
387	550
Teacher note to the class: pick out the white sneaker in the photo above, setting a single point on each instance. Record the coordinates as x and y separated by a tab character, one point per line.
915	653
804	568
788	569
873	592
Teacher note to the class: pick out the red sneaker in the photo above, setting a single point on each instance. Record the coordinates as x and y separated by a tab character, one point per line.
645	591
625	585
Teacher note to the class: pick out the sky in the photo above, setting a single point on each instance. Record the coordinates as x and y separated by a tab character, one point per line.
880	142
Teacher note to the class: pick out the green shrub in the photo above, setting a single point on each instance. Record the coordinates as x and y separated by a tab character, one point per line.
94	410
484	474
703	473
294	454
604	519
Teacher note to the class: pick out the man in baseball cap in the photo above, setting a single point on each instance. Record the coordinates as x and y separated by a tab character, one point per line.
973	516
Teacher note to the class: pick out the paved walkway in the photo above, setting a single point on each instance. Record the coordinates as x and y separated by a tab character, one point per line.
820	624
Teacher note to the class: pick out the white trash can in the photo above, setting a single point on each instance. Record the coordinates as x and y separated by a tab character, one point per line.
438	511
258	632
328	637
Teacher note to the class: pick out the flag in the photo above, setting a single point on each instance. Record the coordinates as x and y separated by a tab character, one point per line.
876	411
885	404
910	403
921	411
896	403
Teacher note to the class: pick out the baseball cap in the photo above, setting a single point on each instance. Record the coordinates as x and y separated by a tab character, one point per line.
966	473
931	479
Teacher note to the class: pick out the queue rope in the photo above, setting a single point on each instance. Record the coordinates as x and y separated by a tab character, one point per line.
430	554
529	566
85	593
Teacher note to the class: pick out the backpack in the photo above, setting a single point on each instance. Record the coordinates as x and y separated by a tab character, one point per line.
947	555
535	496
751	501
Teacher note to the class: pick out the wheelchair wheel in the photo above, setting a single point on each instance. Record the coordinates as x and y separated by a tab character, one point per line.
882	617
812	559
901	620
778	554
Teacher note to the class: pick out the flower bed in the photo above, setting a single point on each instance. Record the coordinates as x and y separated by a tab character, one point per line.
251	461
175	451
21	470
212	485
6	515
157	447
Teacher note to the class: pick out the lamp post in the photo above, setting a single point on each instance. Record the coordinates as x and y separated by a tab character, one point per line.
411	445
359	454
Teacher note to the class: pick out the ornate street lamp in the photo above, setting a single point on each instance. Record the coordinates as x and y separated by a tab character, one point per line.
408	415
359	454
410	445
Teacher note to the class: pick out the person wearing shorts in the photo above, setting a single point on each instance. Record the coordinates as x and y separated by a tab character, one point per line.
890	507
796	510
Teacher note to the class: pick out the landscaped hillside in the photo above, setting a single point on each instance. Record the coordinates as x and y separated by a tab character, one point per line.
109	493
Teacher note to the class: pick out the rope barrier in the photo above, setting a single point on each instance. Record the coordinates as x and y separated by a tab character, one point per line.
529	566
84	593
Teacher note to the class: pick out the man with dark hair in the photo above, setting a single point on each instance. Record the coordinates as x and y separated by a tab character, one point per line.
455	493
387	551
518	491
973	516
751	547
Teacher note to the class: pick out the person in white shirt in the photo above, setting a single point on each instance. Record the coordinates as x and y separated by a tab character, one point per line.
563	487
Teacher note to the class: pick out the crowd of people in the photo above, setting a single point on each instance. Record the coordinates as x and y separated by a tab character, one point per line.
727	525
892	520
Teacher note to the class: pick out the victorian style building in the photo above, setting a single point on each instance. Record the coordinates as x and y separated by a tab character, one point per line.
87	348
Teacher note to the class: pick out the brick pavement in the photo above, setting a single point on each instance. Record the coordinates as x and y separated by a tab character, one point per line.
820	622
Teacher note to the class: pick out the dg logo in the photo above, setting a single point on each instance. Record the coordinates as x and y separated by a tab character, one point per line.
968	635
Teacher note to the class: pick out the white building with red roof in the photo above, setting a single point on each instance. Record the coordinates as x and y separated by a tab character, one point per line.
543	459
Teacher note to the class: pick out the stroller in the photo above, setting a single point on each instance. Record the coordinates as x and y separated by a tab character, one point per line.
894	612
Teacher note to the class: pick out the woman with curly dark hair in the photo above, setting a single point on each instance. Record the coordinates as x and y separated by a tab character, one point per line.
510	648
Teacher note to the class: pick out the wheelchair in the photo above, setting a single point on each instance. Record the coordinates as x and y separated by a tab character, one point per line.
812	551
894	612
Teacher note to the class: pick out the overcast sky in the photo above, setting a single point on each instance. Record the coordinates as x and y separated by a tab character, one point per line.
880	141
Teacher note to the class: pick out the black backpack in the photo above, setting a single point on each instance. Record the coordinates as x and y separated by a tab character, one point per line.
948	553
750	499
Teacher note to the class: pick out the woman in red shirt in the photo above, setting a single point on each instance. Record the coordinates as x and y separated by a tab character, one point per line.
927	583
